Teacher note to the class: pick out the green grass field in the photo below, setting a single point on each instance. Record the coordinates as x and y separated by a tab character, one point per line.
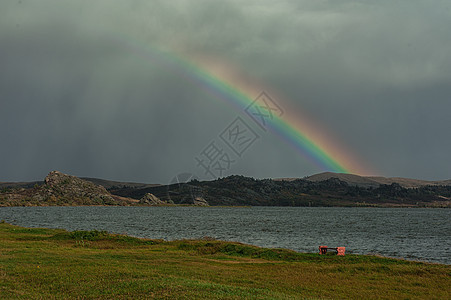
55	264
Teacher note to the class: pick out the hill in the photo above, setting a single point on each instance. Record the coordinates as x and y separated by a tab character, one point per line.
60	189
326	189
18	185
240	190
109	184
375	181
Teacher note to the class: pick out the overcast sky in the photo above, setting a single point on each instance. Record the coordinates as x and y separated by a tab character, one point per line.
83	89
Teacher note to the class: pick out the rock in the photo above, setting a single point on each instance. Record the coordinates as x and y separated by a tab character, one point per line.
70	187
61	189
199	201
151	199
54	177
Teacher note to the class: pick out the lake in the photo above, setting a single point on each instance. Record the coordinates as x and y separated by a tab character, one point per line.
414	234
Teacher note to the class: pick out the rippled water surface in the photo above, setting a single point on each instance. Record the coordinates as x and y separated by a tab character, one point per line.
418	234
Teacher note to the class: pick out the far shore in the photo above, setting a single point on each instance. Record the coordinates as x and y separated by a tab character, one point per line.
232	206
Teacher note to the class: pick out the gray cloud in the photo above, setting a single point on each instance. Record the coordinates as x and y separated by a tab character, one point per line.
81	92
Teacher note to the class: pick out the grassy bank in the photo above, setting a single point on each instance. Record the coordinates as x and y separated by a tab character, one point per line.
49	263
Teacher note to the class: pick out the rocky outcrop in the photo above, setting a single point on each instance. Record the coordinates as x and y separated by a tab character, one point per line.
62	190
199	201
65	186
151	199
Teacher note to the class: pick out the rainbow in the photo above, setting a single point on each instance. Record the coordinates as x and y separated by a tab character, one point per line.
305	138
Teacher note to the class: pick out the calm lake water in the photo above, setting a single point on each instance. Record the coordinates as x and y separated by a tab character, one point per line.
416	234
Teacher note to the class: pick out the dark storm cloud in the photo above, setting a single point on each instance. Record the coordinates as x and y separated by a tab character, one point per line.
76	96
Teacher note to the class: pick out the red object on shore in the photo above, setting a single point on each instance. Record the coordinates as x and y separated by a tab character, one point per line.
340	250
322	249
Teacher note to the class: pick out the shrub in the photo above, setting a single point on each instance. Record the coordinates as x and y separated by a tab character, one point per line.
91	235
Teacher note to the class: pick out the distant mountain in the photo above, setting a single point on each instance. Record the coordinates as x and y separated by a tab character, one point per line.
325	189
25	185
372	181
108	184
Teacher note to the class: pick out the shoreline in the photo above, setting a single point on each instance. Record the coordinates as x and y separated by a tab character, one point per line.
211	239
55	263
237	206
